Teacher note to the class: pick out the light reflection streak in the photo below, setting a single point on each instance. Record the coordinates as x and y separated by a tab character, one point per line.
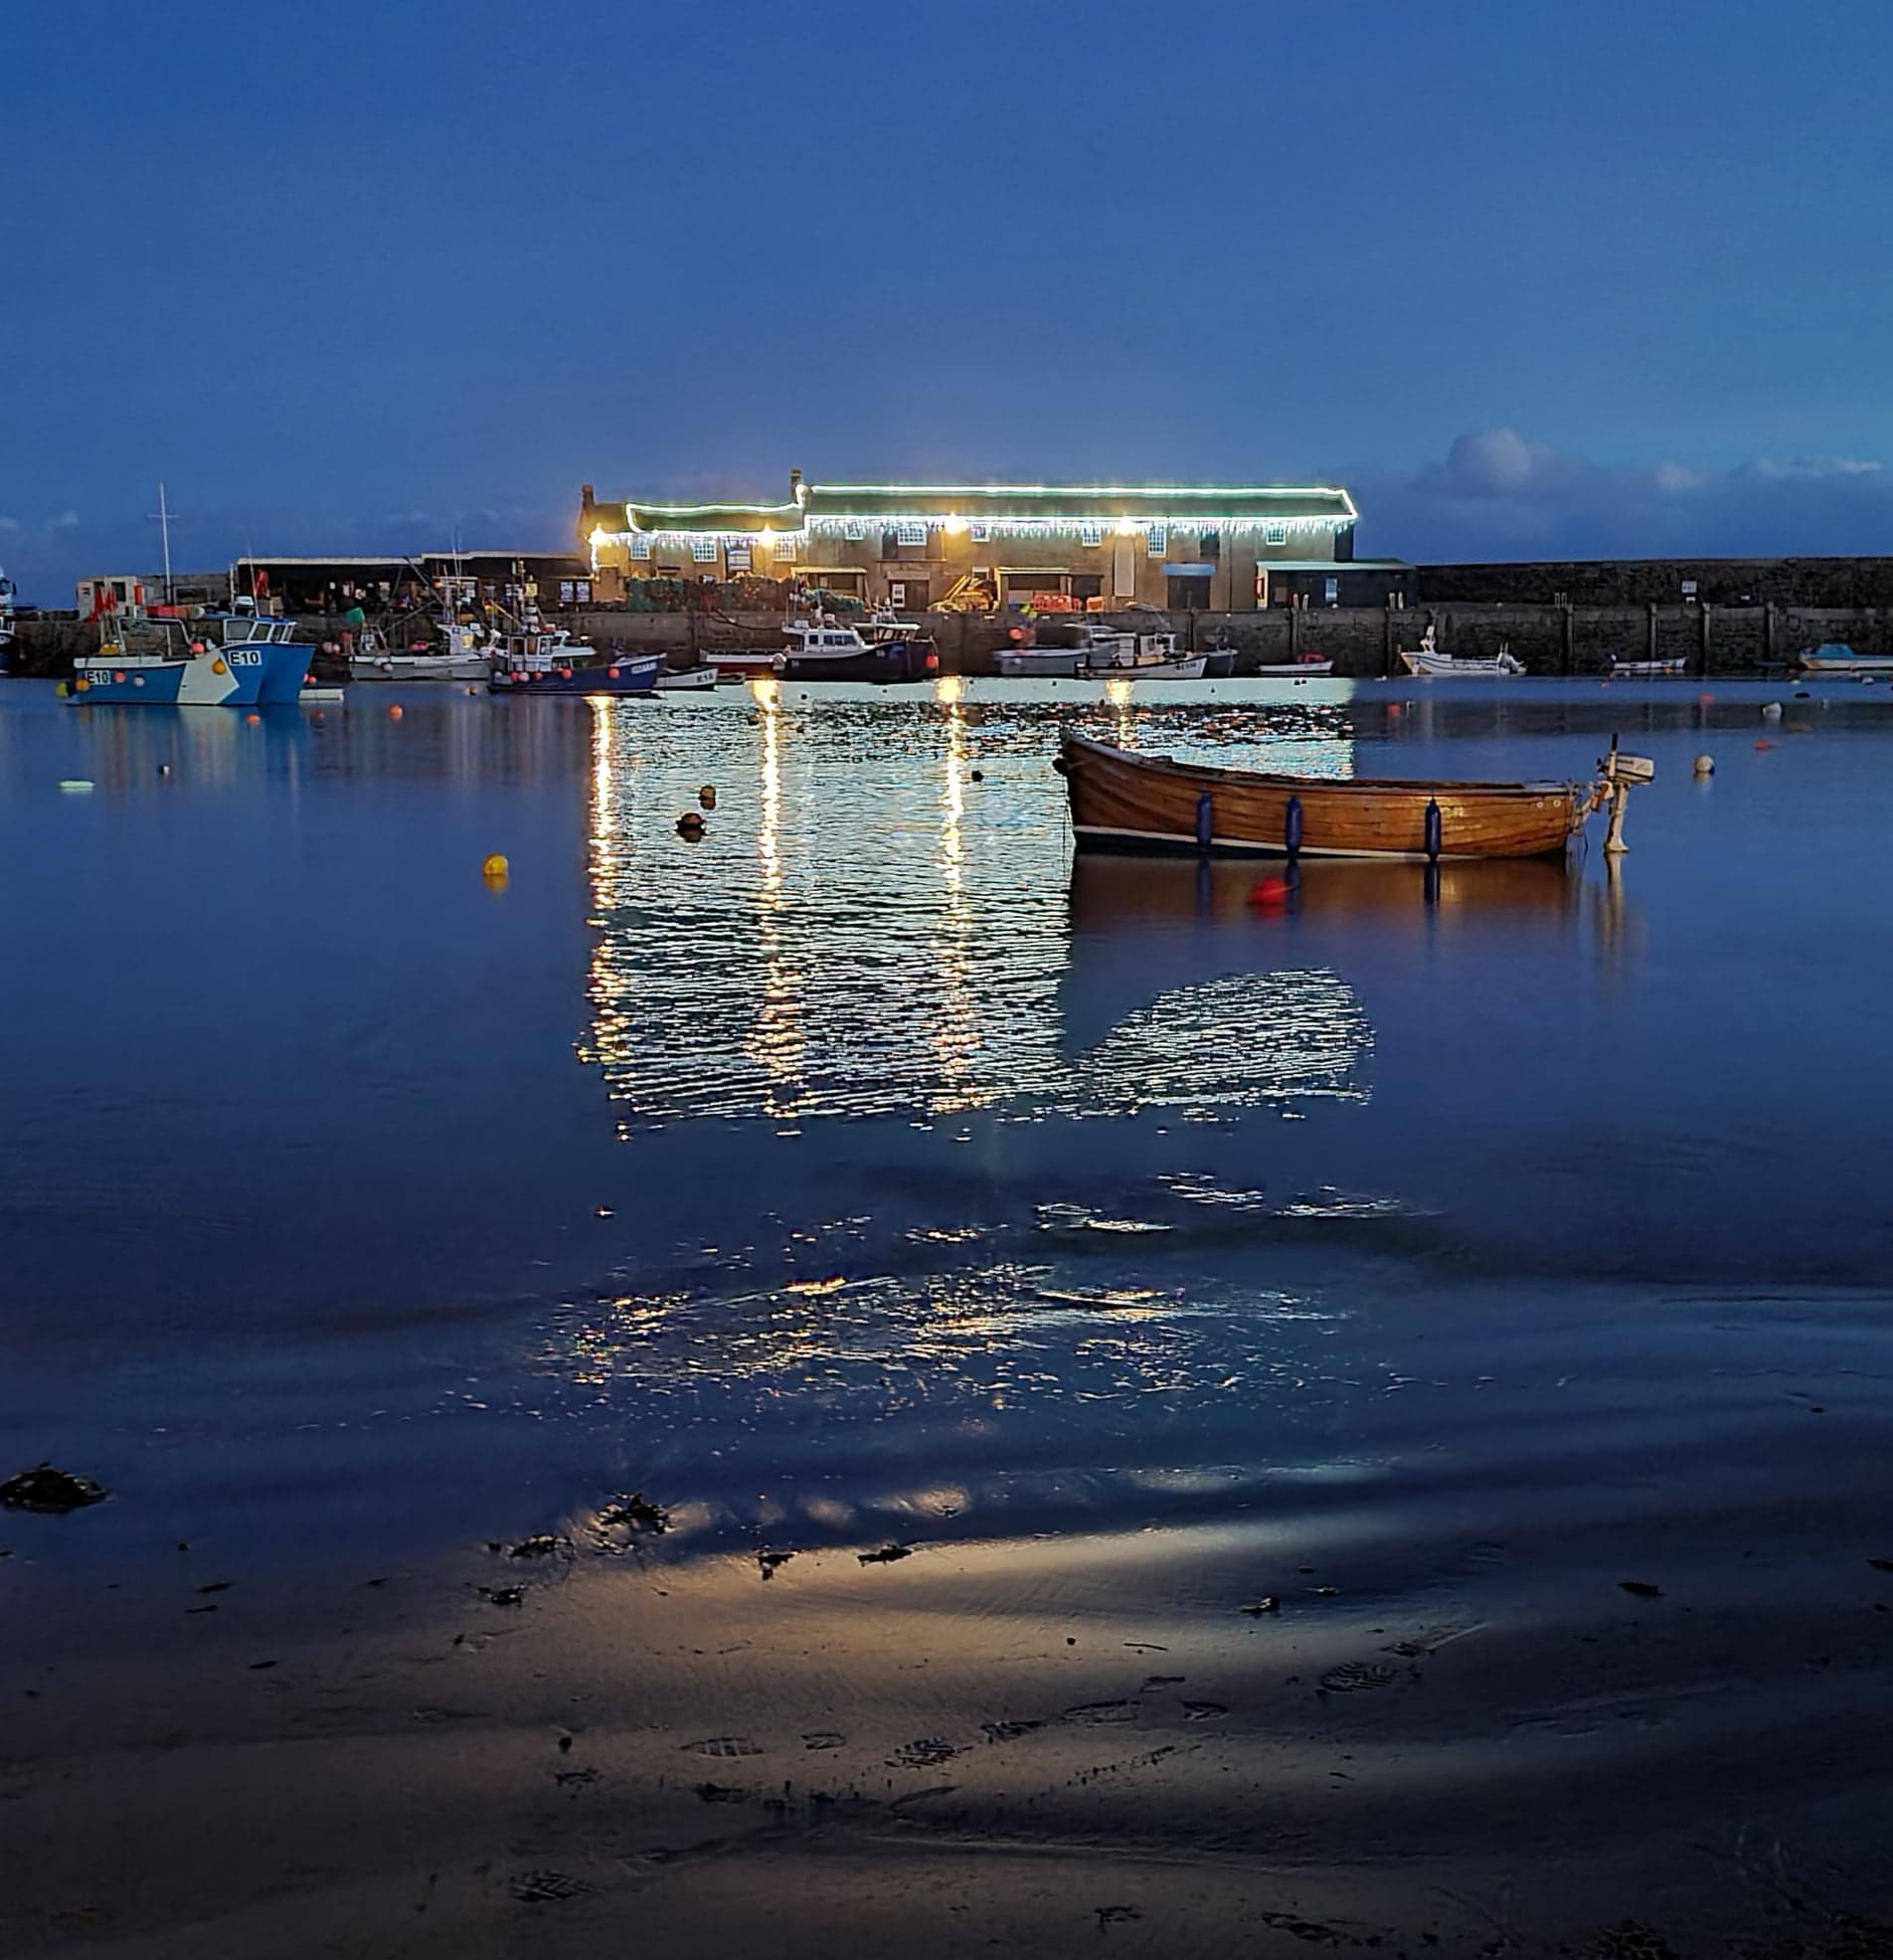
775	1040
956	1034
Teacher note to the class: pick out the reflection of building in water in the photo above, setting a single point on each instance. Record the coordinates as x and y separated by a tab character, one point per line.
850	938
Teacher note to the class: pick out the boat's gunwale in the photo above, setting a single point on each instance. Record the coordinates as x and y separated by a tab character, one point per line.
1068	738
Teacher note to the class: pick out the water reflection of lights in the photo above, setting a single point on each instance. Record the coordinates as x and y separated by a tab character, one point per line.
956	1032
860	935
775	1041
1118	699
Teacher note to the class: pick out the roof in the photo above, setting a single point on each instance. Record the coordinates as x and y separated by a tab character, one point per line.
1025	501
389	557
1183	504
1334	565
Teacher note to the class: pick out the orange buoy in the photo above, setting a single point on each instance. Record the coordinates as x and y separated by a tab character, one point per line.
1269	894
394	712
253	716
1763	743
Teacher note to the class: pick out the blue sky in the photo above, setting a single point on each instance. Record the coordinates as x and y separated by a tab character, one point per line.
1532	279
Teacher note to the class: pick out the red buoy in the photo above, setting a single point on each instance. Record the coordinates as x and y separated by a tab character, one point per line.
1269	894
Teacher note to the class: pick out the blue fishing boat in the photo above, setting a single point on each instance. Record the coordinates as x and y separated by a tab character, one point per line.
228	660
551	661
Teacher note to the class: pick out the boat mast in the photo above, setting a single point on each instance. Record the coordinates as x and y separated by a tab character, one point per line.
163	516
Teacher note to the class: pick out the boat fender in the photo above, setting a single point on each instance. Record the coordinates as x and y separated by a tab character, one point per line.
1205	820
1771	711
1291	827
1705	765
1432	829
611	673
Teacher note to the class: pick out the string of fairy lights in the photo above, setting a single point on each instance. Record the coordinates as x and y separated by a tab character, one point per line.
788	529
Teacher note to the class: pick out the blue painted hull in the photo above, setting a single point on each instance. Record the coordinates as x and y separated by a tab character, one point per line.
202	680
632	675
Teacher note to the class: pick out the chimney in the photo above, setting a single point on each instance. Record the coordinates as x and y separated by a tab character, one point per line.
585	496
794	485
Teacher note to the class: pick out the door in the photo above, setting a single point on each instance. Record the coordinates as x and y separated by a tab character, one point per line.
1124	569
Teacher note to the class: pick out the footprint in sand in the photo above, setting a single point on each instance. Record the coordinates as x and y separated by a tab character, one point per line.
1102	1711
1008	1731
822	1738
725	1745
1429	1640
927	1753
1204	1711
545	1887
1351	1677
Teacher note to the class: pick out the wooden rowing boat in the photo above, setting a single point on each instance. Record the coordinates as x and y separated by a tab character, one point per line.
1125	801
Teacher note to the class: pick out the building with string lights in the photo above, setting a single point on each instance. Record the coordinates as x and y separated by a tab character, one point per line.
988	546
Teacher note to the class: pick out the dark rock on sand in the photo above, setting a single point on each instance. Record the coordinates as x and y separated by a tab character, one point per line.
49	1491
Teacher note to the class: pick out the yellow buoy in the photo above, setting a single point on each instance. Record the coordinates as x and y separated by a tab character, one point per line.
707	796
495	867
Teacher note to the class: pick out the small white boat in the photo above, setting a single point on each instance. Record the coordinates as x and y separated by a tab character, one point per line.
1295	669
685	680
1058	651
1427	661
1646	669
740	663
466	654
1836	658
1147	656
822	649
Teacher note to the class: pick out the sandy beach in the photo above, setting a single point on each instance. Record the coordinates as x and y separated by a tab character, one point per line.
1033	1746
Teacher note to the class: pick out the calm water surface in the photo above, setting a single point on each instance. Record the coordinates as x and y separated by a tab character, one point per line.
869	1168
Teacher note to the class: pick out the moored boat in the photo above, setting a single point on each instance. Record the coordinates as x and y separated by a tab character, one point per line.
1646	669
685	680
551	661
1310	668
823	650
1836	658
1144	656
230	661
1057	649
1429	663
1123	801
463	652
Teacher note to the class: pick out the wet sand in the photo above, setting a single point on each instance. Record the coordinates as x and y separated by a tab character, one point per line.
1036	1744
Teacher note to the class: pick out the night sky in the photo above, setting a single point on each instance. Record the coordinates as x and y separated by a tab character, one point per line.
1532	279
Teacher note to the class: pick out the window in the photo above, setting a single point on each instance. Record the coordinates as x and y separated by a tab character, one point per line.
854	530
978	531
1275	534
640	545
1156	541
1210	545
890	544
1088	534
739	559
704	550
912	531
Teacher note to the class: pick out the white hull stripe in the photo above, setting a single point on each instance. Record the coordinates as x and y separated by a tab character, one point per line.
1230	846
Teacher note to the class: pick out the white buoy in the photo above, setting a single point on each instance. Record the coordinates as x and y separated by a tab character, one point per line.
1705	765
1771	711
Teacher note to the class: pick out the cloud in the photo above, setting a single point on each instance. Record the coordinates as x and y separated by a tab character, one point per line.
9	523
1499	494
67	520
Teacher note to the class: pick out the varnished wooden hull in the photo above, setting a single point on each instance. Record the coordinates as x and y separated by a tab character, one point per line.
1125	801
